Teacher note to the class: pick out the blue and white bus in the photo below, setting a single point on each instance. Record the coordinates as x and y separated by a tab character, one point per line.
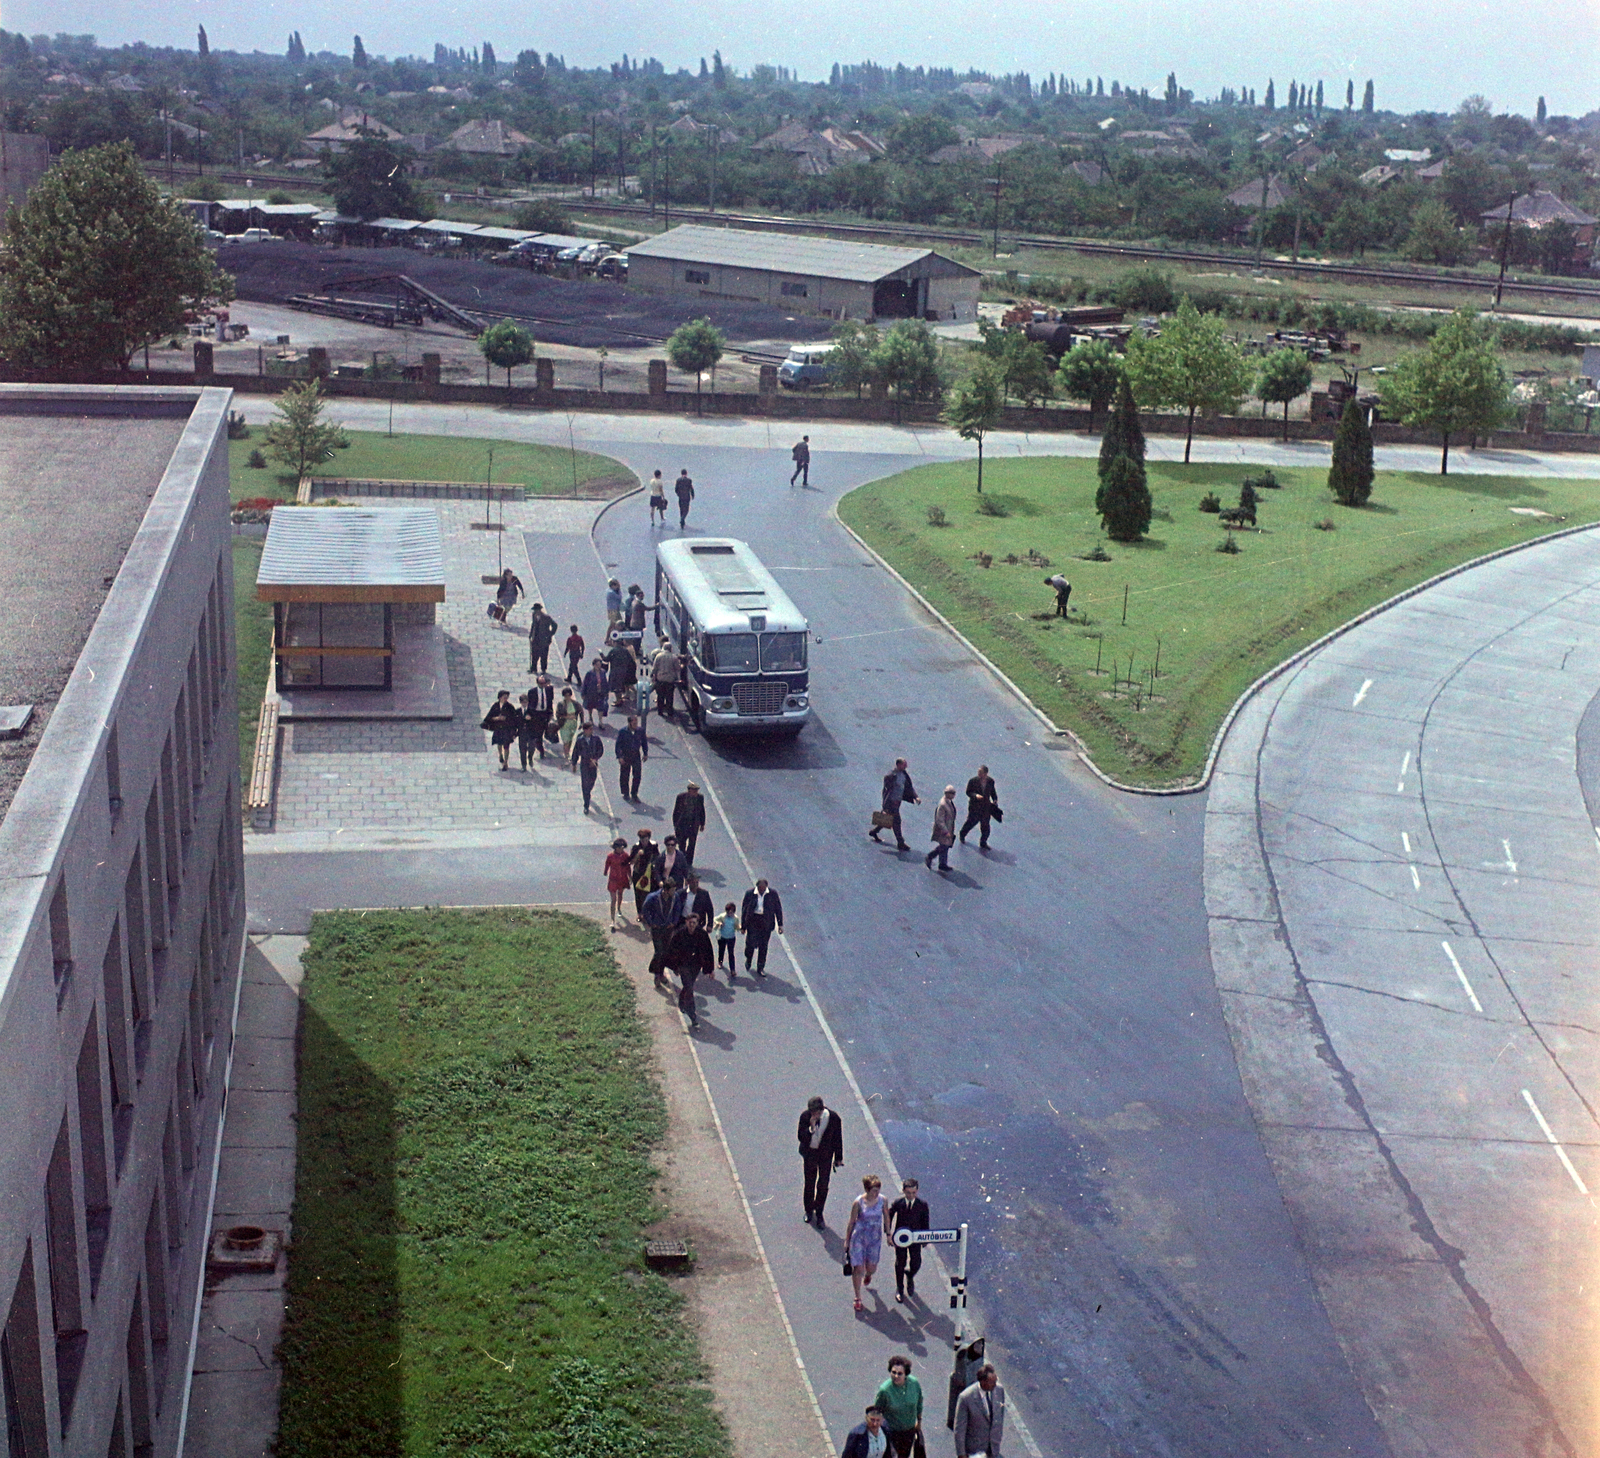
745	641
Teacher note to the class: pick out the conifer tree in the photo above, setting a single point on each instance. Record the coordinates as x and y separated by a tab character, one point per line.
1350	475
1124	437
1125	504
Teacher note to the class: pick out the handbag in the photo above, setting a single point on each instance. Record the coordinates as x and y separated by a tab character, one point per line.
848	1269
882	820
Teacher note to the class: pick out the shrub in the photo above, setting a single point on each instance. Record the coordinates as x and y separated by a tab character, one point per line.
988	506
936	516
257	461
1327	524
237	429
1248	500
1147	289
1228	546
1099	554
1266	481
1210	502
278	198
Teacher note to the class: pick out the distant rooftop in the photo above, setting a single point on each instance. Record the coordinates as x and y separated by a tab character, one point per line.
785	253
73	492
375	554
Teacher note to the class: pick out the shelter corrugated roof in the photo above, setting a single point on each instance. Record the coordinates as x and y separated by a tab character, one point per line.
785	253
350	546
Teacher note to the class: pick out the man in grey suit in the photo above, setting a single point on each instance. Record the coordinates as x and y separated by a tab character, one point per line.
981	1416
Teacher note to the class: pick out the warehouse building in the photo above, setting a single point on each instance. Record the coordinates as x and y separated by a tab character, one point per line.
121	903
821	276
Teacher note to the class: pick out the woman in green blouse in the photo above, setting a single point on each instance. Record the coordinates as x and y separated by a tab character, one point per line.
899	1399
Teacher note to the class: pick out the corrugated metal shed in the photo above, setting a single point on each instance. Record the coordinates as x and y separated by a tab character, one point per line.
352	554
785	253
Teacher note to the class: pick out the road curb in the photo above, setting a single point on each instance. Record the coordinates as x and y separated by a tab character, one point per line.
1277	670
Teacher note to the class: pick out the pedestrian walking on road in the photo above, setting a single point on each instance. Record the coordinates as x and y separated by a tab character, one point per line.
541	705
502	721
588	749
701	904
761	914
527	734
661	912
673	861
689	819
1063	592
541	633
863	1234
658	499
897	789
899	1399
802	461
622	670
683	489
572	650
664	672
689	955
507	593
909	1212
983	805
727	935
981	1416
644	865
596	682
613	603
821	1136
569	715
633	748
869	1439
619	868
944	830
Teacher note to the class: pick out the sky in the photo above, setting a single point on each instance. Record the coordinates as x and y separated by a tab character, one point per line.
1421	54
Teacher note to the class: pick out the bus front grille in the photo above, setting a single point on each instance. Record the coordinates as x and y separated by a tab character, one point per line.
763	697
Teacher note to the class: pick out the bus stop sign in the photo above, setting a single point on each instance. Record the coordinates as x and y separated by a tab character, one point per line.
903	1238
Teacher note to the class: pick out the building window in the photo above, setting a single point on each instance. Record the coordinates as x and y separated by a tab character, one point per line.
795	291
22	1371
60	934
697	275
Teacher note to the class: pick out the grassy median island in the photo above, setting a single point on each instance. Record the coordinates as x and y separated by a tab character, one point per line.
477	1118
543	470
1217	620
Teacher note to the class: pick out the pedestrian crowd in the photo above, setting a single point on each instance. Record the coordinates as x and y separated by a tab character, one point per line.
983	813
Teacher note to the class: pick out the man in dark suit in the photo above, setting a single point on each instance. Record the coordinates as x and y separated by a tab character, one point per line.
897	789
689	819
541	705
587	751
633	748
821	1137
761	912
983	805
541	633
909	1212
981	1416
689	955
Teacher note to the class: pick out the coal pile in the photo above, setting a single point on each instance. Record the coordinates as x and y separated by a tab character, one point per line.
582	314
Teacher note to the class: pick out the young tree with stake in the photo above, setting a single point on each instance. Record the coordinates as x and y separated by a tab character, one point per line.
696	347
300	439
974	409
1455	385
506	346
1285	376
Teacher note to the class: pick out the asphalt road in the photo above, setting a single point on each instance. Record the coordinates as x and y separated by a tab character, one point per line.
1037	1034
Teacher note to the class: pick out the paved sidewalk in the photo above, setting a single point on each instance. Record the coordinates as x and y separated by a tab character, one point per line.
1402	884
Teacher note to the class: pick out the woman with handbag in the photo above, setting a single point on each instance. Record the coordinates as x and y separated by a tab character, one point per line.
899	1399
863	1235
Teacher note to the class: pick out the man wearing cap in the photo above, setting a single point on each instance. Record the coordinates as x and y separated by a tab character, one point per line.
944	830
689	819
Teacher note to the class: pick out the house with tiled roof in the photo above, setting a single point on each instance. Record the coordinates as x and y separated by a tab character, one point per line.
1538	209
486	139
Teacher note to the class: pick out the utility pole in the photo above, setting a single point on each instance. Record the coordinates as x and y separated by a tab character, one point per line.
1505	249
666	191
995	182
713	206
594	155
1261	219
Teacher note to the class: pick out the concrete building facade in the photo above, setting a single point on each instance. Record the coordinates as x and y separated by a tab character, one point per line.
821	276
121	904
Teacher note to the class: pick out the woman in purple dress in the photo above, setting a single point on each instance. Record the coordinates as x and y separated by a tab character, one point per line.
863	1236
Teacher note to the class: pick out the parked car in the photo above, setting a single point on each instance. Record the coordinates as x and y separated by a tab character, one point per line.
613	265
256	235
808	365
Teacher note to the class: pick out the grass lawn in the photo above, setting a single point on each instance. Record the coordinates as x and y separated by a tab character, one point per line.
544	470
1218	621
252	636
477	1119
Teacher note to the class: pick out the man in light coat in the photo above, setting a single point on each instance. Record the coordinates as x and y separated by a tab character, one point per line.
981	1416
944	830
664	670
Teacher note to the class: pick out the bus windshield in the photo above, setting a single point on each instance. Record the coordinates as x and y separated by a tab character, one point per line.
783	652
730	652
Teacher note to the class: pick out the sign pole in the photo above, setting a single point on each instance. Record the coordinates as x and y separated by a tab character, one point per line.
958	1288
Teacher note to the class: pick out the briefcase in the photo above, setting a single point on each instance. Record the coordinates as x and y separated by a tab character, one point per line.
882	820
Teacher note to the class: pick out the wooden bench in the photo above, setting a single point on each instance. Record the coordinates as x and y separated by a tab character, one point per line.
263	764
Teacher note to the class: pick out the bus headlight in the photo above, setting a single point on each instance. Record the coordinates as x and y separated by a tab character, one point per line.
721	706
797	701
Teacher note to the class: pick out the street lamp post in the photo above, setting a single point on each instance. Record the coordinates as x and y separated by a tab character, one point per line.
996	182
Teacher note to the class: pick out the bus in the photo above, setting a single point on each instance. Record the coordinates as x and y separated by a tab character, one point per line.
745	641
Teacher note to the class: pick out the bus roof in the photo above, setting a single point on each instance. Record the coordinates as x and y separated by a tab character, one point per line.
723	585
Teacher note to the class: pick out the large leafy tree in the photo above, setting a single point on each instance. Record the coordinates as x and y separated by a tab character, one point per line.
1192	364
696	347
974	409
1091	371
97	264
854	344
1023	367
506	346
1455	385
907	357
1285	376
368	180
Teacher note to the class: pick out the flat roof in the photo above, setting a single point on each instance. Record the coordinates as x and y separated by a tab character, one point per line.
352	554
786	253
74	487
